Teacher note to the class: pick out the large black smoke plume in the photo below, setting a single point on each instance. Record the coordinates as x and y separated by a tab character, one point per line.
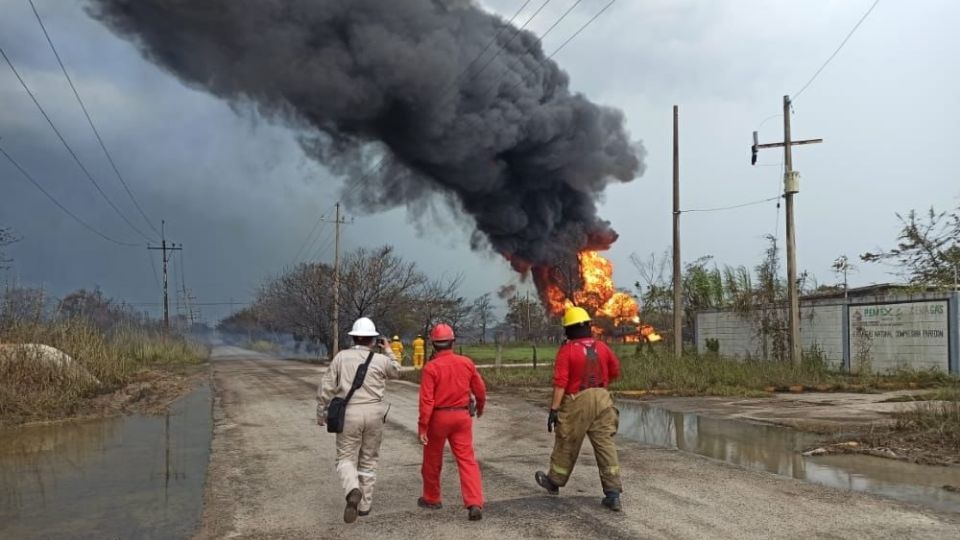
463	103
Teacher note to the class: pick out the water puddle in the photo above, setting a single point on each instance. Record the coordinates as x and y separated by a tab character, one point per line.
128	477
777	450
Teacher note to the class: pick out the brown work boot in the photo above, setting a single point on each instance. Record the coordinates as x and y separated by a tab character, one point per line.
474	513
544	481
353	500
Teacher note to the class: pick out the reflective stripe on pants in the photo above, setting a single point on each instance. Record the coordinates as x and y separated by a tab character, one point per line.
588	414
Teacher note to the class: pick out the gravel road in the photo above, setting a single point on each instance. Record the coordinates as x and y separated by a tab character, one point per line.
272	475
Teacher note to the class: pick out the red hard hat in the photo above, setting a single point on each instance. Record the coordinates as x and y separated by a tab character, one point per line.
442	332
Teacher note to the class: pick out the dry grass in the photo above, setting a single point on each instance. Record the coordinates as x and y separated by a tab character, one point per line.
32	390
937	418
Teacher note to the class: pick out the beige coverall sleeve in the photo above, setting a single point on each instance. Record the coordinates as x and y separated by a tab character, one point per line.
393	366
328	387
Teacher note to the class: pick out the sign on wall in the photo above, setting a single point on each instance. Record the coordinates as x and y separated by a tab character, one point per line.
888	336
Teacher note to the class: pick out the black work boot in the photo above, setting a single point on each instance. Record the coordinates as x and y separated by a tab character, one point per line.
353	500
429	506
544	481
611	500
475	513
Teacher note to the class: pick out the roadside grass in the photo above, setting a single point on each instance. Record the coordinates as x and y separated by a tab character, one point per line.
936	419
263	346
512	354
644	372
30	389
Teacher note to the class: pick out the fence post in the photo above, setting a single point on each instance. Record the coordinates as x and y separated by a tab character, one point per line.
845	337
953	340
534	356
499	357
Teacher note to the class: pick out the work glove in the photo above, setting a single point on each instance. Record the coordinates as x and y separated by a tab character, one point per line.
552	420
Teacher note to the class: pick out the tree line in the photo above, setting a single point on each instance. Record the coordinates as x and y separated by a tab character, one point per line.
380	284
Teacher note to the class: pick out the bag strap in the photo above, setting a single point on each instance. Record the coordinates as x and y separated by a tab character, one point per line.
359	377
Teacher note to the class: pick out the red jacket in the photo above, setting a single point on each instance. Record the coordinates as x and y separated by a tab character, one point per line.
571	361
447	381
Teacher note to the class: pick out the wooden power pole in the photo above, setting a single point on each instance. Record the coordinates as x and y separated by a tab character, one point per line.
336	285
791	186
677	282
338	221
166	251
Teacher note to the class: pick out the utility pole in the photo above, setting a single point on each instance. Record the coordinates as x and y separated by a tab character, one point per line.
677	284
166	251
791	186
338	221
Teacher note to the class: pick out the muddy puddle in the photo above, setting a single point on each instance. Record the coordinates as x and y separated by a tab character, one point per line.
128	477
778	450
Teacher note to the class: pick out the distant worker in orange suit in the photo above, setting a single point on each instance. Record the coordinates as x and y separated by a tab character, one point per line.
446	410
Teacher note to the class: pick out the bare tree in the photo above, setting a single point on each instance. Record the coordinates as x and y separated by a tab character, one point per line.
483	314
6	238
378	284
439	300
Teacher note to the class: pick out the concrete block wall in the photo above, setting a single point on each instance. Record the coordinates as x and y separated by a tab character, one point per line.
916	331
894	335
738	336
821	328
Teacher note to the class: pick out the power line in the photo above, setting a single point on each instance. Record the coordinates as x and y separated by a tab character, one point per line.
316	225
156	277
842	43
60	206
581	29
514	36
93	127
731	207
67	146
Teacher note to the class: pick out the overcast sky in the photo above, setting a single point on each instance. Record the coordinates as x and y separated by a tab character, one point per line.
241	197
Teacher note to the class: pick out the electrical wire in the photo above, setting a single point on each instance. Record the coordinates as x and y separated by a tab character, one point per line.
842	43
581	29
296	257
731	207
65	210
156	277
67	146
93	127
325	246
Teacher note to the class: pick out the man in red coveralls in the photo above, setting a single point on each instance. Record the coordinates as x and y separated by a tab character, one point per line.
581	407
445	413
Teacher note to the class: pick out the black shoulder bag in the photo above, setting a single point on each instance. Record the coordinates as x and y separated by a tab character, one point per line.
337	410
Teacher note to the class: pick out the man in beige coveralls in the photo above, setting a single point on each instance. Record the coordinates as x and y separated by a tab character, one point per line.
358	446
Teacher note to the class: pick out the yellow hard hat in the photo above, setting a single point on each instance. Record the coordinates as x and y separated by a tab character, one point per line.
396	338
575	315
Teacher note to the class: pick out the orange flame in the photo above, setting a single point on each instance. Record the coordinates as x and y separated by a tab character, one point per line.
596	294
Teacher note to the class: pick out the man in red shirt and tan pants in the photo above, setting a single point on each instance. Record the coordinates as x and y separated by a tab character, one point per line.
445	414
582	406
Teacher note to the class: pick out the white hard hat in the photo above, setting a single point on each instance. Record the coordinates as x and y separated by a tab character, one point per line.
363	327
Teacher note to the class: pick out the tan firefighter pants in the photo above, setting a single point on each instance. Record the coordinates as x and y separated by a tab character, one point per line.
589	413
358	449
